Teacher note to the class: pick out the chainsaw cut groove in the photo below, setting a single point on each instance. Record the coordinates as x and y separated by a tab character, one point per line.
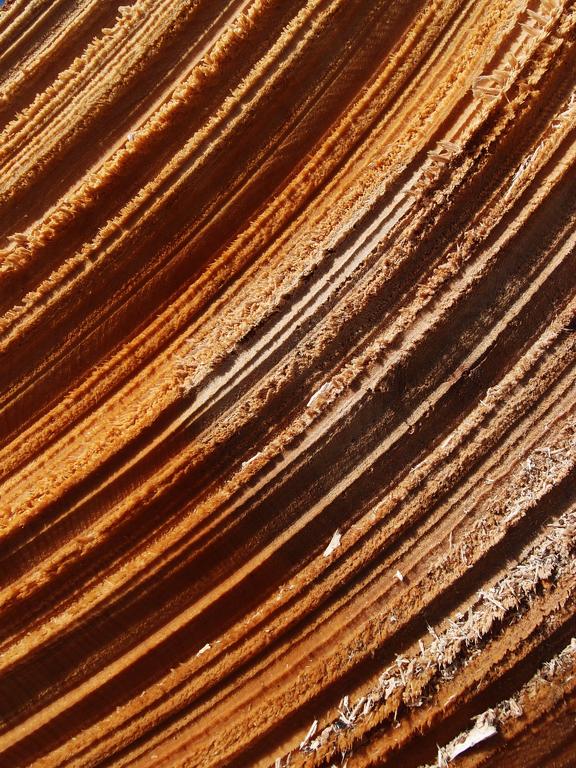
288	383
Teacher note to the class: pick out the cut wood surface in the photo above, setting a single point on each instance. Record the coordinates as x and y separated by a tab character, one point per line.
288	383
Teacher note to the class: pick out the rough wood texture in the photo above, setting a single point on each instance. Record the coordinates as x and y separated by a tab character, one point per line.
287	383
